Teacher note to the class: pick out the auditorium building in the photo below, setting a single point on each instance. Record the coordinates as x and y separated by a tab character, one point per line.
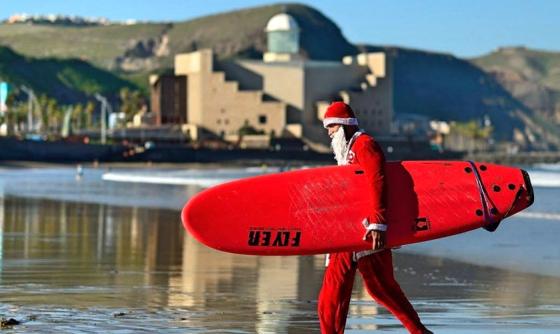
282	95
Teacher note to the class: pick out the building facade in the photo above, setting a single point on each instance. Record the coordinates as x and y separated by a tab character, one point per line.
284	94
219	105
169	99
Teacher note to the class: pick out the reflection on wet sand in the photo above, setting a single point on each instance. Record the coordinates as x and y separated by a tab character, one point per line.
104	257
260	294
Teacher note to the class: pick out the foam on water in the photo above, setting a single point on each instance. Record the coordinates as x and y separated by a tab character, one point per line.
202	178
542	175
545	175
539	215
545	179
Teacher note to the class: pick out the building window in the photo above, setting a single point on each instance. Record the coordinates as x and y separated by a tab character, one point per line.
226	121
262	119
219	121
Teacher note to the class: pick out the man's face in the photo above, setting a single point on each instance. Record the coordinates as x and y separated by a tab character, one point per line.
332	129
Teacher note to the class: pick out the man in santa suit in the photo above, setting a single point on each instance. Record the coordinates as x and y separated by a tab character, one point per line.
352	146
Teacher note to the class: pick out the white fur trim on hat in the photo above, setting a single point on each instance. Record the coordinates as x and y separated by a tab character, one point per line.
337	120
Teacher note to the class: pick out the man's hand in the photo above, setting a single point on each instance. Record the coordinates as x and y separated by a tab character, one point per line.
377	239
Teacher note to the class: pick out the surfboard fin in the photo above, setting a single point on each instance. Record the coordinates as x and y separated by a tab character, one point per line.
491	227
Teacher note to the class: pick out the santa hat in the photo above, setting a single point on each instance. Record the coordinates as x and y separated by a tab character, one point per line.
339	113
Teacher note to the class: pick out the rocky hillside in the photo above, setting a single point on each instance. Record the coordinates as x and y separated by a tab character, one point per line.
448	88
532	76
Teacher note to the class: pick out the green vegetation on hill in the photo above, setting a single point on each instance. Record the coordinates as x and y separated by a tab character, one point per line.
142	47
100	45
68	81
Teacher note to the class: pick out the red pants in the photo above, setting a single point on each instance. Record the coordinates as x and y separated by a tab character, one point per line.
377	274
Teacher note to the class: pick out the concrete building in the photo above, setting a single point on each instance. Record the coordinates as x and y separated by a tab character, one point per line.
284	94
168	99
219	105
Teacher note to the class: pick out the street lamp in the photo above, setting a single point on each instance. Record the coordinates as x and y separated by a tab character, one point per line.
104	106
30	99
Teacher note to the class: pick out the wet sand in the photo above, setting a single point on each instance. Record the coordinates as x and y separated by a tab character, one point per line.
68	265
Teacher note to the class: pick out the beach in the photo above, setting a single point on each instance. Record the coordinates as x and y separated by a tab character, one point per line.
82	253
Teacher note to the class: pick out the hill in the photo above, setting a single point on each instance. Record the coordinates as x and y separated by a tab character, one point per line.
149	46
433	84
532	76
68	81
445	87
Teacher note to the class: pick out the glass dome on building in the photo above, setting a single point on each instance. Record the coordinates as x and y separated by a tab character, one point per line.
283	34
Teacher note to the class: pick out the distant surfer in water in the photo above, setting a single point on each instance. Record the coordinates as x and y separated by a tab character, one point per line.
352	146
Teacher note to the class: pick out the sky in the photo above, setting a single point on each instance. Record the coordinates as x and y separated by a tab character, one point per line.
463	28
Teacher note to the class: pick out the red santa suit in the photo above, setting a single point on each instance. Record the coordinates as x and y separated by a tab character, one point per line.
376	268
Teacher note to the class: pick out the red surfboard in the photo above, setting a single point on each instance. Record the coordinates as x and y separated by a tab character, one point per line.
320	210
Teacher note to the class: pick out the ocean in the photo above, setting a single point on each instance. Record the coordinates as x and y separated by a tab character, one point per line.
103	250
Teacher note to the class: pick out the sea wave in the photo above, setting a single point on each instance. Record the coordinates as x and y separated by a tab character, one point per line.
202	182
202	178
542	178
547	176
539	215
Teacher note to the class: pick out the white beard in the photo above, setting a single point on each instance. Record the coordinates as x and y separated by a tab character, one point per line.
339	147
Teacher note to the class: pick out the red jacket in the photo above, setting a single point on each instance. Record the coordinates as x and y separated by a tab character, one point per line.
367	153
